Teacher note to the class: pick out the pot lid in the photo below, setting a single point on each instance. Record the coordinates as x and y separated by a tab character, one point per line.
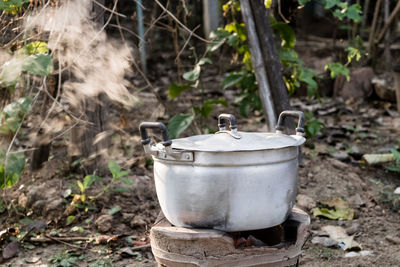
224	141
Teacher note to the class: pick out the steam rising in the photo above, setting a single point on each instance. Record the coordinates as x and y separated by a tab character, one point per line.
98	64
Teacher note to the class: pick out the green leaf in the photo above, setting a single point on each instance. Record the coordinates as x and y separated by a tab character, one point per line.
35	48
354	13
286	33
175	90
336	209
127	180
81	186
179	123
218	38
11	5
267	3
337	69
13	170
204	60
114	210
192	75
396	154
38	65
114	168
232	79
70	219
208	106
89	180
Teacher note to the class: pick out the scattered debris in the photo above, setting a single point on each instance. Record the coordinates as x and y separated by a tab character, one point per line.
305	202
336	209
339	234
325	241
361	253
372	159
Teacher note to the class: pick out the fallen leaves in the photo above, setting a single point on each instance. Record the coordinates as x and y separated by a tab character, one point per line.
336	209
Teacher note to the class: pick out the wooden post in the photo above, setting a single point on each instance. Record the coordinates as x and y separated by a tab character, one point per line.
259	65
396	72
267	66
210	16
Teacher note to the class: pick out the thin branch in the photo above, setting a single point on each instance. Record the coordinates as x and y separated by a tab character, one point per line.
181	24
388	23
109	10
185	44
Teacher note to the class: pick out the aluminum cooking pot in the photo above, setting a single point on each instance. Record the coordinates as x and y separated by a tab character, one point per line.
230	180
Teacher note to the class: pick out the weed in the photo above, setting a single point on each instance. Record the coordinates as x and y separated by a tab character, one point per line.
65	259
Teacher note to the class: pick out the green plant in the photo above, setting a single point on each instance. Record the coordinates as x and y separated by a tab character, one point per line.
12	115
180	122
87	182
12	6
65	259
11	168
396	166
313	126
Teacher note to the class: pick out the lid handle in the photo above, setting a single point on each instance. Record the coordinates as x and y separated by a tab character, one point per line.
154	125
222	118
291	113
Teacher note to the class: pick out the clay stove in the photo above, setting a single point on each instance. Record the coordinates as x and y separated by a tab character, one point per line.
187	247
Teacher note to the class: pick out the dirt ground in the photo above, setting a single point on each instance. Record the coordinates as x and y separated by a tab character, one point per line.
331	167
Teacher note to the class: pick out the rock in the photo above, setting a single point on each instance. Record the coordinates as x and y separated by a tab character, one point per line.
397	191
104	223
340	155
357	201
359	87
137	222
53	207
384	86
38	206
22	200
353	229
305	202
324	241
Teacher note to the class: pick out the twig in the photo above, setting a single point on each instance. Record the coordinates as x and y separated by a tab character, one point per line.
109	10
185	44
64	239
180	23
373	26
280	12
388	23
65	243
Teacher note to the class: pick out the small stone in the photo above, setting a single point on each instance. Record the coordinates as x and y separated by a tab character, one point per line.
137	222
54	206
341	155
378	208
353	229
104	223
324	241
397	191
361	253
305	202
22	200
357	201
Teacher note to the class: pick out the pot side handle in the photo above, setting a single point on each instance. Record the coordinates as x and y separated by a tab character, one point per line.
154	125
295	114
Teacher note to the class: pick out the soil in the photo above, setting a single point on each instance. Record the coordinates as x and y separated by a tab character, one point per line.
331	166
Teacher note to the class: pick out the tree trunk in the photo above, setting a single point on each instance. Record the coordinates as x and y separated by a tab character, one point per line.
83	136
270	55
